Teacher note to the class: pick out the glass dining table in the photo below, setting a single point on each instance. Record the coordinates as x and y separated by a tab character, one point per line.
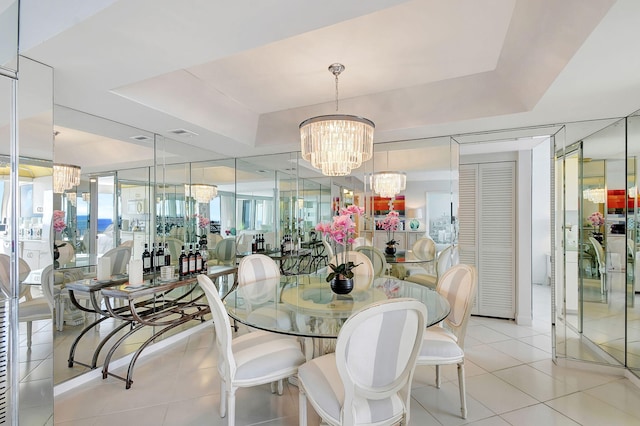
305	306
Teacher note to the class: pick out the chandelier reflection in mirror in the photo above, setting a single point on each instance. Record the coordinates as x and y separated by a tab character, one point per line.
595	195
338	143
65	176
202	193
388	184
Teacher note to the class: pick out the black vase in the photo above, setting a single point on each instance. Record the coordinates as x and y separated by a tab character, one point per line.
56	255
341	285
390	250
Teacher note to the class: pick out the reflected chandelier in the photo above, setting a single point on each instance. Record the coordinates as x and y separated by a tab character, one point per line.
388	184
65	176
202	193
595	195
338	143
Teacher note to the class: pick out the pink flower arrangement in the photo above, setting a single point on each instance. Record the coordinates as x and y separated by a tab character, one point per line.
203	222
58	221
342	230
390	223
596	219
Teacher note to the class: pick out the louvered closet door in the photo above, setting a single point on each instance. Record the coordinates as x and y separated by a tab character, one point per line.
467	218
487	234
496	239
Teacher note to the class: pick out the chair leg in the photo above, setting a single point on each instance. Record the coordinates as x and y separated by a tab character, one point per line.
273	387
302	406
223	399
231	418
29	331
463	393
280	387
438	380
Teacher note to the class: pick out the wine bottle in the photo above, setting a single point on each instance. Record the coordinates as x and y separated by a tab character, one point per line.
183	264
159	257
146	259
198	261
192	260
153	258
167	255
254	245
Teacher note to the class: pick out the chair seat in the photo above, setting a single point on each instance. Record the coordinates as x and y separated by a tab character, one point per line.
439	348
438	329
262	354
423	279
34	308
323	385
271	317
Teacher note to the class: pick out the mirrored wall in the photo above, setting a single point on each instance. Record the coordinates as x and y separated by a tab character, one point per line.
596	245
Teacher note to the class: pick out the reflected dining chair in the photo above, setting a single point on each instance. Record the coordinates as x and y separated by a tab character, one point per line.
364	273
31	308
55	296
602	263
445	260
367	381
120	257
444	343
377	258
259	283
249	360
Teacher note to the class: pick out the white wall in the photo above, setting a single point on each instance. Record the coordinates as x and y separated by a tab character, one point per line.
541	212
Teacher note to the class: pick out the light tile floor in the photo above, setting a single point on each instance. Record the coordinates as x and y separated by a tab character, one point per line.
511	380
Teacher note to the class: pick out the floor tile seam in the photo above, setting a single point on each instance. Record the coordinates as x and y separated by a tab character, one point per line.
415	401
594	397
164	406
523	361
585	391
514	386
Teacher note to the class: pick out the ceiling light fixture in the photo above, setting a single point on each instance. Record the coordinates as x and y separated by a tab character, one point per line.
338	143
202	193
388	183
65	176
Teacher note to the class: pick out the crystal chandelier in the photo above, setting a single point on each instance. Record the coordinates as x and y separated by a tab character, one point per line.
338	143
65	176
388	184
202	193
595	195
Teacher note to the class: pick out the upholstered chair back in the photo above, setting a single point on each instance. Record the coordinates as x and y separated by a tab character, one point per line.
226	361
377	258
226	251
376	356
458	286
120	257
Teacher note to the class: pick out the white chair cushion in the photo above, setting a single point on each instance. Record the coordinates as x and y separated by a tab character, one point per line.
439	348
322	383
36	308
423	279
438	329
263	353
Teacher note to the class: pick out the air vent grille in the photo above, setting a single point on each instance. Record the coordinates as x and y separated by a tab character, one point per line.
141	138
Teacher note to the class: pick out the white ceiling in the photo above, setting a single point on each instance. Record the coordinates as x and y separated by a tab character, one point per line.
242	75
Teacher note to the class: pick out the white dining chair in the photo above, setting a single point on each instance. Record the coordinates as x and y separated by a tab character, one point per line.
367	381
29	308
602	263
444	343
259	284
249	360
55	296
377	258
445	260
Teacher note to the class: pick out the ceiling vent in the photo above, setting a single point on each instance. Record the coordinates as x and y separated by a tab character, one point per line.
140	138
183	132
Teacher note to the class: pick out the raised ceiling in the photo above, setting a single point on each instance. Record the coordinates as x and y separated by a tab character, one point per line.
242	75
